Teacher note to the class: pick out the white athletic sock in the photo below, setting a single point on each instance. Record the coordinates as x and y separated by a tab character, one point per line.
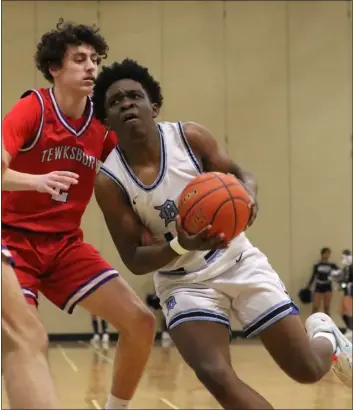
114	403
328	336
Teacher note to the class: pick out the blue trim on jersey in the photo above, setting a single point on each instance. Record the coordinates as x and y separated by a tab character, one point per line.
112	273
269	317
162	167
110	175
63	120
188	149
198	314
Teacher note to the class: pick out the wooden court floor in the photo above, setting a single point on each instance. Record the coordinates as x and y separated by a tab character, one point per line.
82	375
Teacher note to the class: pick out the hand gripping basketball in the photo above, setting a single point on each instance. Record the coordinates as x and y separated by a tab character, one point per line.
217	200
200	241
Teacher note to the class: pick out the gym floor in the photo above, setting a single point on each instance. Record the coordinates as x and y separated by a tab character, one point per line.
82	375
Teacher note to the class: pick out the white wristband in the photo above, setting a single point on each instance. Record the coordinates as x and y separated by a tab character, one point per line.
175	245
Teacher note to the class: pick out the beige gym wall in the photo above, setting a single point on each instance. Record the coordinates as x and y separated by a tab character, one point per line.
272	80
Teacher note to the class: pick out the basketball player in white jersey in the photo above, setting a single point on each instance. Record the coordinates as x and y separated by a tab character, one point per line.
199	280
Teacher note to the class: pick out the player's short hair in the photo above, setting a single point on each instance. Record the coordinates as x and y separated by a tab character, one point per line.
53	44
127	69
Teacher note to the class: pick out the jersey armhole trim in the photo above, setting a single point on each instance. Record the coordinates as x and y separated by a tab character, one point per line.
188	149
111	176
29	146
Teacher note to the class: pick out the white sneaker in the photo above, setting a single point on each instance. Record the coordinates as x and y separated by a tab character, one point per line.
95	340
348	335
342	357
105	340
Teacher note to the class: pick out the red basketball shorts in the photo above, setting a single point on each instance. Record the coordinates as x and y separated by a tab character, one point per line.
62	267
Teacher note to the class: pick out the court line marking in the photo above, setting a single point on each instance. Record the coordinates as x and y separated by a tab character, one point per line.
96	405
168	403
107	359
67	359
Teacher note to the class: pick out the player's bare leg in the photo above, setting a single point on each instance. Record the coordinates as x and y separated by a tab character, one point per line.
118	304
327	302
205	348
307	356
317	299
25	368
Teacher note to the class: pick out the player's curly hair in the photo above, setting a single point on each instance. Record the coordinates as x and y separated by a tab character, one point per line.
118	71
53	44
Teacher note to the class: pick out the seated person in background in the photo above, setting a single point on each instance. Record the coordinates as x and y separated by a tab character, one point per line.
321	276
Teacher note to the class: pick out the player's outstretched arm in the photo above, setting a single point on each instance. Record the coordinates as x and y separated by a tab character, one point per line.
214	158
47	183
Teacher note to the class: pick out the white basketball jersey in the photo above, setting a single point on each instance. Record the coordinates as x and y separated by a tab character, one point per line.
156	205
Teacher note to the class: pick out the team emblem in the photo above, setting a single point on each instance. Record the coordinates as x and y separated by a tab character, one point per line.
168	211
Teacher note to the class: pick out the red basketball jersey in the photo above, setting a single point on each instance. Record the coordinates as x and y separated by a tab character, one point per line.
40	139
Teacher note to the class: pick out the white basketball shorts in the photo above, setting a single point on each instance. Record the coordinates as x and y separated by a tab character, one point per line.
250	289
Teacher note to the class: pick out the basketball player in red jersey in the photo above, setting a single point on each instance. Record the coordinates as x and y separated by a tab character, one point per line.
24	365
54	129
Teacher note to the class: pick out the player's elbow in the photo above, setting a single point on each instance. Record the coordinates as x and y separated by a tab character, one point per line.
132	262
134	265
132	259
137	269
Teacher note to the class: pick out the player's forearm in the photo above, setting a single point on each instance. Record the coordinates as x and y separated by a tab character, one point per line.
147	259
247	178
18	181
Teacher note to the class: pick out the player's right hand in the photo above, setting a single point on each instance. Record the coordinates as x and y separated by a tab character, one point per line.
54	181
200	241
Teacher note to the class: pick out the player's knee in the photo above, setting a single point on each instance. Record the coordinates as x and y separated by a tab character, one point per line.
27	335
38	338
214	376
139	323
143	322
306	372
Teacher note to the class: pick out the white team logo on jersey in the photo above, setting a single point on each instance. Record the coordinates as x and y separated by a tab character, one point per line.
168	211
170	303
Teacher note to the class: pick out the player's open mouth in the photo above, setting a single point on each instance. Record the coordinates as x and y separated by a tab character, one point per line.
129	118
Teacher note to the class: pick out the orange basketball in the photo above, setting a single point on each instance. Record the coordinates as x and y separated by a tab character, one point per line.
215	199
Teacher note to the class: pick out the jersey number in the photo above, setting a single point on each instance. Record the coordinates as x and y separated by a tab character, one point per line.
60	196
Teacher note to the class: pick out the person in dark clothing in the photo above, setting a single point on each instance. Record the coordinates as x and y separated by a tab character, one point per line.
100	336
321	277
